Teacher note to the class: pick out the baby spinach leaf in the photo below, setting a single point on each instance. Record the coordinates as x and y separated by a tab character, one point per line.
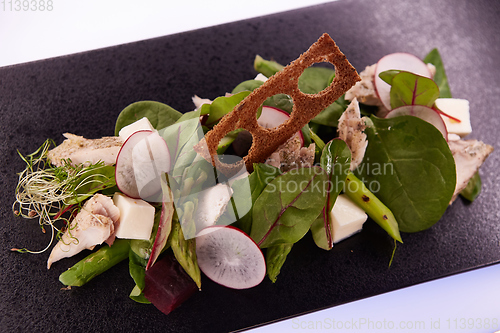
262	175
248	85
473	188
411	89
440	77
315	79
137	295
335	160
159	115
287	207
223	105
312	80
410	168
137	272
330	116
275	258
280	101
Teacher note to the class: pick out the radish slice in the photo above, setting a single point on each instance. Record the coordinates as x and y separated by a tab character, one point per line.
272	117
422	112
399	61
230	257
143	158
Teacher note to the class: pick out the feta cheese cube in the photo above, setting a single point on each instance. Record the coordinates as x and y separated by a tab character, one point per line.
347	218
261	77
136	217
139	125
457	108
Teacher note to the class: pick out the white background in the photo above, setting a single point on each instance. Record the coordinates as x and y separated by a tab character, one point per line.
461	303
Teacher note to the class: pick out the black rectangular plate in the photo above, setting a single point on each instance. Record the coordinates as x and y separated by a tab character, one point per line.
84	93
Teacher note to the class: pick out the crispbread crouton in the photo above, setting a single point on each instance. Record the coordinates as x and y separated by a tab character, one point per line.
306	106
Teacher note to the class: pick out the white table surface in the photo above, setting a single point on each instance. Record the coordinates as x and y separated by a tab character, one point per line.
467	302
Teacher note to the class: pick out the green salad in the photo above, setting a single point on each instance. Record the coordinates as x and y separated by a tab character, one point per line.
396	164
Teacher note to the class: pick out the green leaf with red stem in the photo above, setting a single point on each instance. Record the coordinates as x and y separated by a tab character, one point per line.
411	89
335	160
287	207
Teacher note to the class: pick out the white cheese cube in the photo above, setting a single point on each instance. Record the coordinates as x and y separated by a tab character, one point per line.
457	108
347	218
261	77
139	125
136	217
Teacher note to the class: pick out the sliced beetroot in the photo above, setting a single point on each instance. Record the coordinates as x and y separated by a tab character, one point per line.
230	257
271	117
167	285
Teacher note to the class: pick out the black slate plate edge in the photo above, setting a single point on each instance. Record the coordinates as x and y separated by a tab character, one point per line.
444	276
458	270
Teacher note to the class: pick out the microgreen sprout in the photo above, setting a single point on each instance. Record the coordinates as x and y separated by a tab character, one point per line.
48	192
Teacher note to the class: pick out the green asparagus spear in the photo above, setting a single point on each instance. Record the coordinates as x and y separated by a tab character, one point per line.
96	263
380	213
185	253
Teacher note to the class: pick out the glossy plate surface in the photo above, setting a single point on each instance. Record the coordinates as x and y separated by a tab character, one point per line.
84	93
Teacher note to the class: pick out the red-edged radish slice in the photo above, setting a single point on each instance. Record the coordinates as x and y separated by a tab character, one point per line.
399	61
143	158
422	112
271	117
230	257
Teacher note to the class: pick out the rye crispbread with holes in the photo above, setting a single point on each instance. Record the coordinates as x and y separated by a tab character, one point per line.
305	106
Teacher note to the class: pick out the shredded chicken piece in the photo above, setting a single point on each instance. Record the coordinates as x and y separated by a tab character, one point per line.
469	155
364	90
351	130
93	225
86	151
291	155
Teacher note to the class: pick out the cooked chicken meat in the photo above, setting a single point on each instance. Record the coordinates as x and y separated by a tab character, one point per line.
93	225
86	151
351	130
364	90
292	155
468	155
